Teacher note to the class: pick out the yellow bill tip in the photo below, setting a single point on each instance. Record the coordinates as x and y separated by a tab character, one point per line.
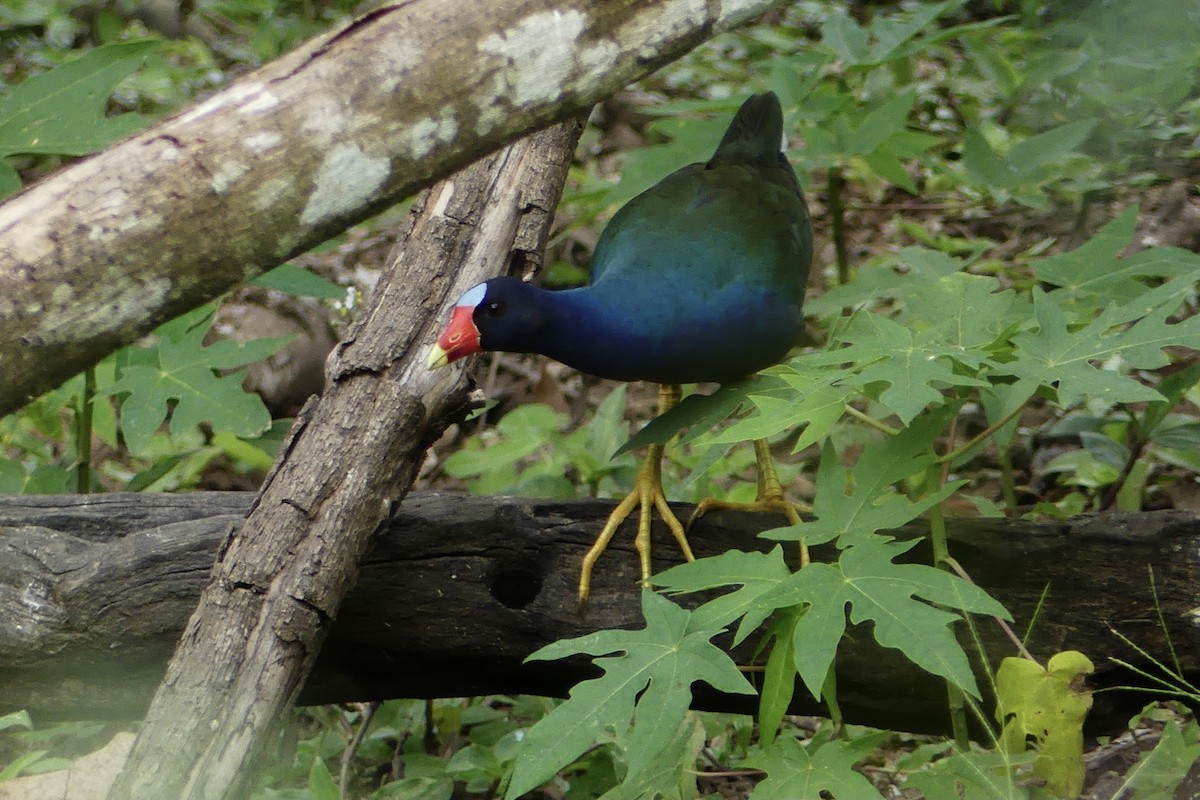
437	357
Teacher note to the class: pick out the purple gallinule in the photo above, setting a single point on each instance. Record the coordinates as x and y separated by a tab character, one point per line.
699	278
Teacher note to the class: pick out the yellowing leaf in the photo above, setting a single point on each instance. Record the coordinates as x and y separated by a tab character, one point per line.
1048	705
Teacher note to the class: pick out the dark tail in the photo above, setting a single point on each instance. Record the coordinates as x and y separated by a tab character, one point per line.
756	133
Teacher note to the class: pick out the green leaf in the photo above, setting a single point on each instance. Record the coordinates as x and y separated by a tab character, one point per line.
1163	769
700	412
879	125
756	573
815	772
1096	273
845	37
321	783
22	764
973	775
62	111
1172	388
1048	705
879	591
1057	356
10	179
884	163
805	397
852	510
300	282
905	275
915	366
779	676
892	34
1030	155
650	681
180	376
670	773
16	719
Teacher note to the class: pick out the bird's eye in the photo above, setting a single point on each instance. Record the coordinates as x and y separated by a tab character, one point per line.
494	308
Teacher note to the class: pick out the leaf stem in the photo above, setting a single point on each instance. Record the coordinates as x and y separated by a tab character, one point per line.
867	419
953	564
1008	486
83	433
955	698
982	436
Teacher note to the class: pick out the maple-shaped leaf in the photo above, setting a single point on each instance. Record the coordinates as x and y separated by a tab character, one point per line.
650	681
700	412
1073	361
964	312
180	375
852	510
62	111
755	573
906	274
820	770
898	598
975	775
915	365
671	773
808	397
1096	274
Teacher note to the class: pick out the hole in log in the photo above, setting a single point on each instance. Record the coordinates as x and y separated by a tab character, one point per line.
515	586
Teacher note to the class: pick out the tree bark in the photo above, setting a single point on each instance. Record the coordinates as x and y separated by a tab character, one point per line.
457	590
292	154
280	577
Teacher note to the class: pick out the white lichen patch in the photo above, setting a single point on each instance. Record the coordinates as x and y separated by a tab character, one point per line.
538	52
259	143
270	192
233	96
347	179
227	176
325	121
427	133
111	305
63	293
393	63
263	101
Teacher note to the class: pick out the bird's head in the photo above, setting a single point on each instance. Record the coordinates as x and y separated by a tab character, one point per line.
500	314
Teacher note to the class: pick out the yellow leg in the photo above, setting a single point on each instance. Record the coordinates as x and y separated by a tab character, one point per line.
769	496
646	496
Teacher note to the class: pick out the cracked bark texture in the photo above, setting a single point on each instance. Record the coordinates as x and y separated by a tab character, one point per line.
280	577
288	156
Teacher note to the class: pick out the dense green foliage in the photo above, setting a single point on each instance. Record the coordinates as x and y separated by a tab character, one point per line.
946	342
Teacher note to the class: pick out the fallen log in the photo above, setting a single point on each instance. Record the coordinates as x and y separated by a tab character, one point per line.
457	590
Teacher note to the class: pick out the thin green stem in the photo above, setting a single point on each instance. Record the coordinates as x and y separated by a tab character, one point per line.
867	419
837	218
981	437
83	433
829	695
941	555
1008	484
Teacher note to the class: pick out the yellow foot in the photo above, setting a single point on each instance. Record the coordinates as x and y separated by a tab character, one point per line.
646	496
777	503
769	498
